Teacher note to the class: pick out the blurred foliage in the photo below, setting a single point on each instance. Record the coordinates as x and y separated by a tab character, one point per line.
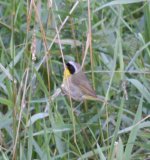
33	125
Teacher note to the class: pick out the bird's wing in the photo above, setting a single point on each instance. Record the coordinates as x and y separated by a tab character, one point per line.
80	80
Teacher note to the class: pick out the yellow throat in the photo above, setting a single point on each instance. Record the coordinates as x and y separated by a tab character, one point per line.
66	74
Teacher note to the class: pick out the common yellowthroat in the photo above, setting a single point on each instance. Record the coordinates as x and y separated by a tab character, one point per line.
76	85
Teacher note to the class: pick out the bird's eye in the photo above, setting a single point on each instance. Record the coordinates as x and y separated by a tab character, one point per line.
71	68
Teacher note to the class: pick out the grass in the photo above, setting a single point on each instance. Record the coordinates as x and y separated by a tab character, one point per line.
111	40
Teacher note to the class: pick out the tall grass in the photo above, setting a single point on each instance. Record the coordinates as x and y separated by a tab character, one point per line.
111	40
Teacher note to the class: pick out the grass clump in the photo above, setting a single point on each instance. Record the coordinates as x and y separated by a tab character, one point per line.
111	39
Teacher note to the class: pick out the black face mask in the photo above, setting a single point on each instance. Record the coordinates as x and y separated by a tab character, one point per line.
70	68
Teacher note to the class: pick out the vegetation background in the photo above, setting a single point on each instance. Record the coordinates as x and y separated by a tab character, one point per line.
112	40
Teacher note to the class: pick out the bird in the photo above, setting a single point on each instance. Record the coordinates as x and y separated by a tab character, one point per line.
76	84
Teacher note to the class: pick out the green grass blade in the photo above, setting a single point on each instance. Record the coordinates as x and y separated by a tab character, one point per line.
142	89
134	132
